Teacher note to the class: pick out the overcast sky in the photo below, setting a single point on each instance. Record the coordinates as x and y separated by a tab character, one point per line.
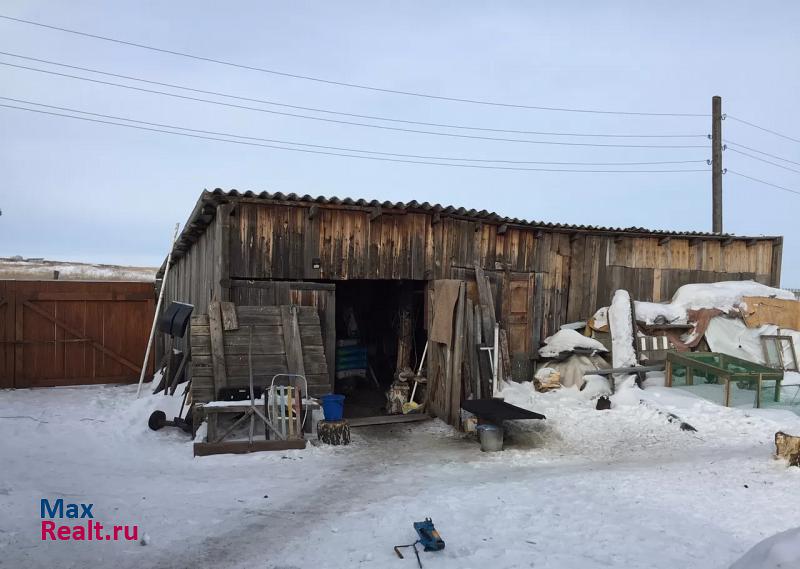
73	190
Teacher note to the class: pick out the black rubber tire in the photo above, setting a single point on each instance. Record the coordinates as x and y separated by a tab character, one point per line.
157	420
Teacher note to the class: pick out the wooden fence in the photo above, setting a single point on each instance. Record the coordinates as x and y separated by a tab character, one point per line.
72	333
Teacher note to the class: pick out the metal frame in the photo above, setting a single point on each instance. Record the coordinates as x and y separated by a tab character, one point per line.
282	410
779	341
756	372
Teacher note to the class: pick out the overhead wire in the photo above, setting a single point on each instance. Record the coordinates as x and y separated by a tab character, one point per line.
784	188
312	151
759	127
757	151
352	123
763	160
348	149
341	113
344	83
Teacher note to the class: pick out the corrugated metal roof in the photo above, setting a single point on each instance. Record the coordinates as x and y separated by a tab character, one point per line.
219	195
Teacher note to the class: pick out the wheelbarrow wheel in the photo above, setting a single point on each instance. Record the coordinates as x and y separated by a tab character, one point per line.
157	420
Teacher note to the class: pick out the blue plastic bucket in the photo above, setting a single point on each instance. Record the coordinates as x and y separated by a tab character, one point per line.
333	407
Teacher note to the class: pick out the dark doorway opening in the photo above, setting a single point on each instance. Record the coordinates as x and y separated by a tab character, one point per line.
375	321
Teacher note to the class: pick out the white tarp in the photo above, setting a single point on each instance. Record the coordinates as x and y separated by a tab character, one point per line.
573	368
731	336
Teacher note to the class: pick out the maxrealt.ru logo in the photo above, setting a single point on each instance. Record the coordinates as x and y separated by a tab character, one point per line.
85	530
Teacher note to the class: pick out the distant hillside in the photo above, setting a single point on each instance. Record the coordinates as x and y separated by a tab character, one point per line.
42	269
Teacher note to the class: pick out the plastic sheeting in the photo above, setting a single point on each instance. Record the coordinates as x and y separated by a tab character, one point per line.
731	336
573	368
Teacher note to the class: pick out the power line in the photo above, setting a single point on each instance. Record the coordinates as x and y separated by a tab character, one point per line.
304	150
764	182
346	149
763	160
343	83
352	123
763	128
341	113
751	149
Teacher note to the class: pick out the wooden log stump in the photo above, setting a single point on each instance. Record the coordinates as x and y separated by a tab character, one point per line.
334	432
788	447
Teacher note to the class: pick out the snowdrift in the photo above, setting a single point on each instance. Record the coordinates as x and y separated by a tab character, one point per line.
725	296
781	551
567	340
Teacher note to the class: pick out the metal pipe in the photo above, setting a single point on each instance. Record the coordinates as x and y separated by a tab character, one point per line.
155	316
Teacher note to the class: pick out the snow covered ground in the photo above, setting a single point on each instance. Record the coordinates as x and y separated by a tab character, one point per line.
42	269
585	489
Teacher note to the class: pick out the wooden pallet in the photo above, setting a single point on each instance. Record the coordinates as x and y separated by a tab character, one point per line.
242	447
388	419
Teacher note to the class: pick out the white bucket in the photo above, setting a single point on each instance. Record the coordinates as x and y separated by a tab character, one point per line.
491	437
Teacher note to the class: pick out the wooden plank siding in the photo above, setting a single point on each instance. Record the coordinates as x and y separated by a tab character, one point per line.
268	351
541	277
194	277
72	332
277	293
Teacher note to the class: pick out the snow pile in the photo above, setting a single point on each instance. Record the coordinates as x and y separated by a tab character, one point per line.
575	428
781	551
725	296
620	322
650	312
567	340
790	378
595	386
92	444
600	319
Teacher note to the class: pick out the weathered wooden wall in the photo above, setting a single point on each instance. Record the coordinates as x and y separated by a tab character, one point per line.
280	242
541	277
652	268
321	296
193	277
268	355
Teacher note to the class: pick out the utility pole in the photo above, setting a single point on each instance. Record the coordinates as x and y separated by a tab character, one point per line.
716	164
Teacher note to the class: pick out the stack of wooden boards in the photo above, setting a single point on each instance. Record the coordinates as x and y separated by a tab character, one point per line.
286	339
463	368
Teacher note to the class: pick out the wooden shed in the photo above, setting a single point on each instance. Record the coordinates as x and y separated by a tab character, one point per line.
362	263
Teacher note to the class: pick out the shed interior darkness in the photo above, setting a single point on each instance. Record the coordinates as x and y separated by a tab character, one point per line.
369	312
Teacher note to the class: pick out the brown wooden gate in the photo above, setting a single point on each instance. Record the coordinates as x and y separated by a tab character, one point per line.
72	333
